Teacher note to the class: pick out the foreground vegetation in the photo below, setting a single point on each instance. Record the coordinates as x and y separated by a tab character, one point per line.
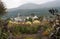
28	31
21	30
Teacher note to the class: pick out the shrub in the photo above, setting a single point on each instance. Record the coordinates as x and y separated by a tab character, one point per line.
25	29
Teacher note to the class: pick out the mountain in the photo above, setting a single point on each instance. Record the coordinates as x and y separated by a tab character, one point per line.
28	8
35	6
51	4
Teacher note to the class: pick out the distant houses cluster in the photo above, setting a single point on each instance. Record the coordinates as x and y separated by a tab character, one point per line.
24	18
30	20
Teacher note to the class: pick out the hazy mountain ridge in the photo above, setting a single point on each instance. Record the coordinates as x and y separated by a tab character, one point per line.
29	8
37	6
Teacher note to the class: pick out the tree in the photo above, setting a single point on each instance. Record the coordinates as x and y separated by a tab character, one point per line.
30	19
3	24
56	33
2	8
53	11
2	12
32	14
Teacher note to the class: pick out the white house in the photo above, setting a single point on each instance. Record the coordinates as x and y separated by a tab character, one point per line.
35	17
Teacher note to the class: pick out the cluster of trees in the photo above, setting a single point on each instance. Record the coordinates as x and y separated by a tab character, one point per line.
56	33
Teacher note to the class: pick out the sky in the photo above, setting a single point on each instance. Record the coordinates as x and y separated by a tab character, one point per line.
16	3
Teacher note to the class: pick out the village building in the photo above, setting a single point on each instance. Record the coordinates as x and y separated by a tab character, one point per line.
35	17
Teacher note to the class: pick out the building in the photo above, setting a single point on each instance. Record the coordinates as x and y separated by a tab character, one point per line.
18	18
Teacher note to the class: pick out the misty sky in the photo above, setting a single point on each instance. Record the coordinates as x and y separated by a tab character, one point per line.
15	3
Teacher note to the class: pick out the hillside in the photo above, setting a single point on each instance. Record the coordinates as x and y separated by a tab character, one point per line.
28	8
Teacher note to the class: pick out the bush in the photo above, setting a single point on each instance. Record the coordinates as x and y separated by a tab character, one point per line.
25	29
3	35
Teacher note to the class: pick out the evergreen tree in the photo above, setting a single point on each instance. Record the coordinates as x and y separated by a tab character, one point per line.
3	25
2	8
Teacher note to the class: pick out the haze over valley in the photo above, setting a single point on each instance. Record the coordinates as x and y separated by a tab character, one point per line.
38	9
